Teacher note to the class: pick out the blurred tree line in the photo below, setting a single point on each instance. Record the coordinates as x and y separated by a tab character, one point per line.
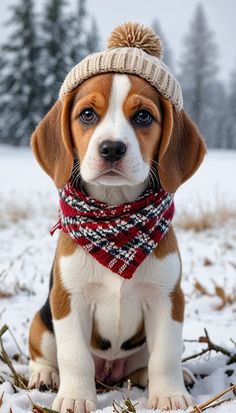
42	48
210	102
35	59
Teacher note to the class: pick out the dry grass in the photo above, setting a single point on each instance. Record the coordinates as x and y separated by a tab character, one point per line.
1	399
5	294
206	218
13	215
15	209
219	291
18	379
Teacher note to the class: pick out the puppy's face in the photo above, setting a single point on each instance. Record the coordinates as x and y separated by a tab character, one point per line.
116	125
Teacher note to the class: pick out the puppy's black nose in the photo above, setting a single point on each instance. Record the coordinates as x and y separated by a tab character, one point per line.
112	151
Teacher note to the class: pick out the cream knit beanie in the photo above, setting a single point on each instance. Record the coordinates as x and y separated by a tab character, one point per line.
132	49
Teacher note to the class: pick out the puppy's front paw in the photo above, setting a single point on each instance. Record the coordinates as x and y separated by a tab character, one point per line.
170	401
64	405
44	379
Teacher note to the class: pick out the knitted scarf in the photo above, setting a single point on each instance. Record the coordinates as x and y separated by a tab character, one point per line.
119	237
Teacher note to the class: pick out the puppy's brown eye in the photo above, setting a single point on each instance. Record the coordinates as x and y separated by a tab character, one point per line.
143	118
88	115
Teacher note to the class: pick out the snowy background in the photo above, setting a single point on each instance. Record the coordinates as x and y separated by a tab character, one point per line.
205	226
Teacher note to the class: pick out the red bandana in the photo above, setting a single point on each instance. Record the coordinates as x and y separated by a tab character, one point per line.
119	237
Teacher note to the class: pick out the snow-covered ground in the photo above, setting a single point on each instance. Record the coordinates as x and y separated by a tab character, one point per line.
28	208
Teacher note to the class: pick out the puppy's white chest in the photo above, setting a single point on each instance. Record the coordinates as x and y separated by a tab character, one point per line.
116	305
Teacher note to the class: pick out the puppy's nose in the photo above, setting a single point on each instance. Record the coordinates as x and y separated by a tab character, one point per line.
112	151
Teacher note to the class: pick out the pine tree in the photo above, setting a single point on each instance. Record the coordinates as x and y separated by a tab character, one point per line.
93	40
55	59
214	126
20	78
198	70
78	34
2	63
230	139
2	91
167	56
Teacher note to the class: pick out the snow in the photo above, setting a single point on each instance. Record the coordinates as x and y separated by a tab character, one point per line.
28	209
212	183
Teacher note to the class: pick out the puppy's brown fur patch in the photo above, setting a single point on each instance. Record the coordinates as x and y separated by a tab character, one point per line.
66	245
143	96
93	93
59	296
168	245
177	301
37	329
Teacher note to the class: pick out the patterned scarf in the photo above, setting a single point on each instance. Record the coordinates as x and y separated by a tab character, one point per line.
119	237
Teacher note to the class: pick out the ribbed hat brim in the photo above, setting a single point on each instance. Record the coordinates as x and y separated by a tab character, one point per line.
126	60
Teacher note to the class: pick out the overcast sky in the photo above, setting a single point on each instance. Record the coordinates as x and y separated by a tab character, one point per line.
173	15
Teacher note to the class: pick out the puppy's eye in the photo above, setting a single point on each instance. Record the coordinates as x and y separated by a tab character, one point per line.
143	118
88	115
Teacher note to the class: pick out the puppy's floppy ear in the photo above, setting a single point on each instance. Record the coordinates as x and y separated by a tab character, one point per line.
51	142
181	149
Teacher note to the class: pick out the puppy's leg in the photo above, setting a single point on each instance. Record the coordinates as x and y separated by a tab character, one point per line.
163	324
73	324
43	363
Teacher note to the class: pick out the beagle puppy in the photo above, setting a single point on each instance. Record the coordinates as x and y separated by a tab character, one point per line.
117	135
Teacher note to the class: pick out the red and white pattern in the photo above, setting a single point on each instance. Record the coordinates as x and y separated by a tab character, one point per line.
119	237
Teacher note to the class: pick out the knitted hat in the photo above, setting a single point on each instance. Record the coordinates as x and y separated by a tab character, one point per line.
132	49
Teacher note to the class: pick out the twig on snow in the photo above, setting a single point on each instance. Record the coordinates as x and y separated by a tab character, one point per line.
232	341
210	347
210	403
194	356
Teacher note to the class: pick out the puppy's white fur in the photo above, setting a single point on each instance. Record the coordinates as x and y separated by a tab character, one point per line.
118	306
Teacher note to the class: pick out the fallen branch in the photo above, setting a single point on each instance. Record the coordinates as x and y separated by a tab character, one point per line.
210	403
210	347
215	347
194	356
234	342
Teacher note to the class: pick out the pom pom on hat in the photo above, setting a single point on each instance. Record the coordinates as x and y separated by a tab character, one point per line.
132	49
136	35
